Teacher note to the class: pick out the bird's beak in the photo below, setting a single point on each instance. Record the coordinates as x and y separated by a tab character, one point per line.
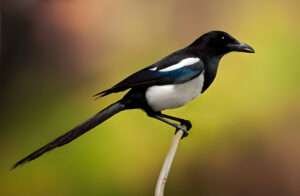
241	47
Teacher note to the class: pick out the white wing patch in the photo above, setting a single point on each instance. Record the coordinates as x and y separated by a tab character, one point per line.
182	63
153	69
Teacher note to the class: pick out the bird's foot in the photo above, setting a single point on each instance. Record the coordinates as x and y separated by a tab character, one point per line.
184	126
187	124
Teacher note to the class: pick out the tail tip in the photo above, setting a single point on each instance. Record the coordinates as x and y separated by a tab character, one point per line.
18	164
14	166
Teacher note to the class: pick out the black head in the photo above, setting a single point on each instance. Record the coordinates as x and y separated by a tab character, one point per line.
220	43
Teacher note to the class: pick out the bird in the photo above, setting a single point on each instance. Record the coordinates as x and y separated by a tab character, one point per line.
169	83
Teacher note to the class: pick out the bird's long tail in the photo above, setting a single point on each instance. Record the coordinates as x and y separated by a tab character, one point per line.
75	132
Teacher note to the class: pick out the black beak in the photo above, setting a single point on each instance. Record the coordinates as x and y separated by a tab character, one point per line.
241	47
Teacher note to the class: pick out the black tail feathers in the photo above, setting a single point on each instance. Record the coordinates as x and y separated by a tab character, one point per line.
75	132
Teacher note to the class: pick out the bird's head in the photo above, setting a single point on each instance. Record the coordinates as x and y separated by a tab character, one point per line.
220	43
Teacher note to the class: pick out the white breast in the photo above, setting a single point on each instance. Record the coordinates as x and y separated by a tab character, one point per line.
174	95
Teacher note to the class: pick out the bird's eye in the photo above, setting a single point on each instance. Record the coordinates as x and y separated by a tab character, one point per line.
223	38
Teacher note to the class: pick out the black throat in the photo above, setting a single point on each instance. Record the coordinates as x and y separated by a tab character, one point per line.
211	67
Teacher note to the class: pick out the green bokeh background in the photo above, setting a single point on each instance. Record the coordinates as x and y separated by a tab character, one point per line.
245	136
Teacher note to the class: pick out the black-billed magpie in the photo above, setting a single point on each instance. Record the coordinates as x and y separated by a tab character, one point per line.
169	83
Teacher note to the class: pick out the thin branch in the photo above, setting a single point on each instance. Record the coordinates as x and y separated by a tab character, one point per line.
165	170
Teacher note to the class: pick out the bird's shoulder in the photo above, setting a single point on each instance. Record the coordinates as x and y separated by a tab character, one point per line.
188	56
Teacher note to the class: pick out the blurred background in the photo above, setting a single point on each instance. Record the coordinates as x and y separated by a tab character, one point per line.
55	54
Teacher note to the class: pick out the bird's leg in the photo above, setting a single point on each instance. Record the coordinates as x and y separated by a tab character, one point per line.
167	122
184	124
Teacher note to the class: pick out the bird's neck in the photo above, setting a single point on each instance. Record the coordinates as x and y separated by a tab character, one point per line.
211	68
214	61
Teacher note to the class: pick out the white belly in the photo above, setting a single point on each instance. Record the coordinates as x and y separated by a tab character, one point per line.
174	95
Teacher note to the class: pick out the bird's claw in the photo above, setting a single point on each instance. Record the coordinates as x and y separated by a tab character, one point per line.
184	130
184	126
187	124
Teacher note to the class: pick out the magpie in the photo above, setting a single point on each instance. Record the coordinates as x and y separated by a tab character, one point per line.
169	83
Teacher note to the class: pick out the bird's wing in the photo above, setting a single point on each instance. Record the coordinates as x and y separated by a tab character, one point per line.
167	71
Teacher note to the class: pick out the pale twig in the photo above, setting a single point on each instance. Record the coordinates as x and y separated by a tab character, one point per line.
164	172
